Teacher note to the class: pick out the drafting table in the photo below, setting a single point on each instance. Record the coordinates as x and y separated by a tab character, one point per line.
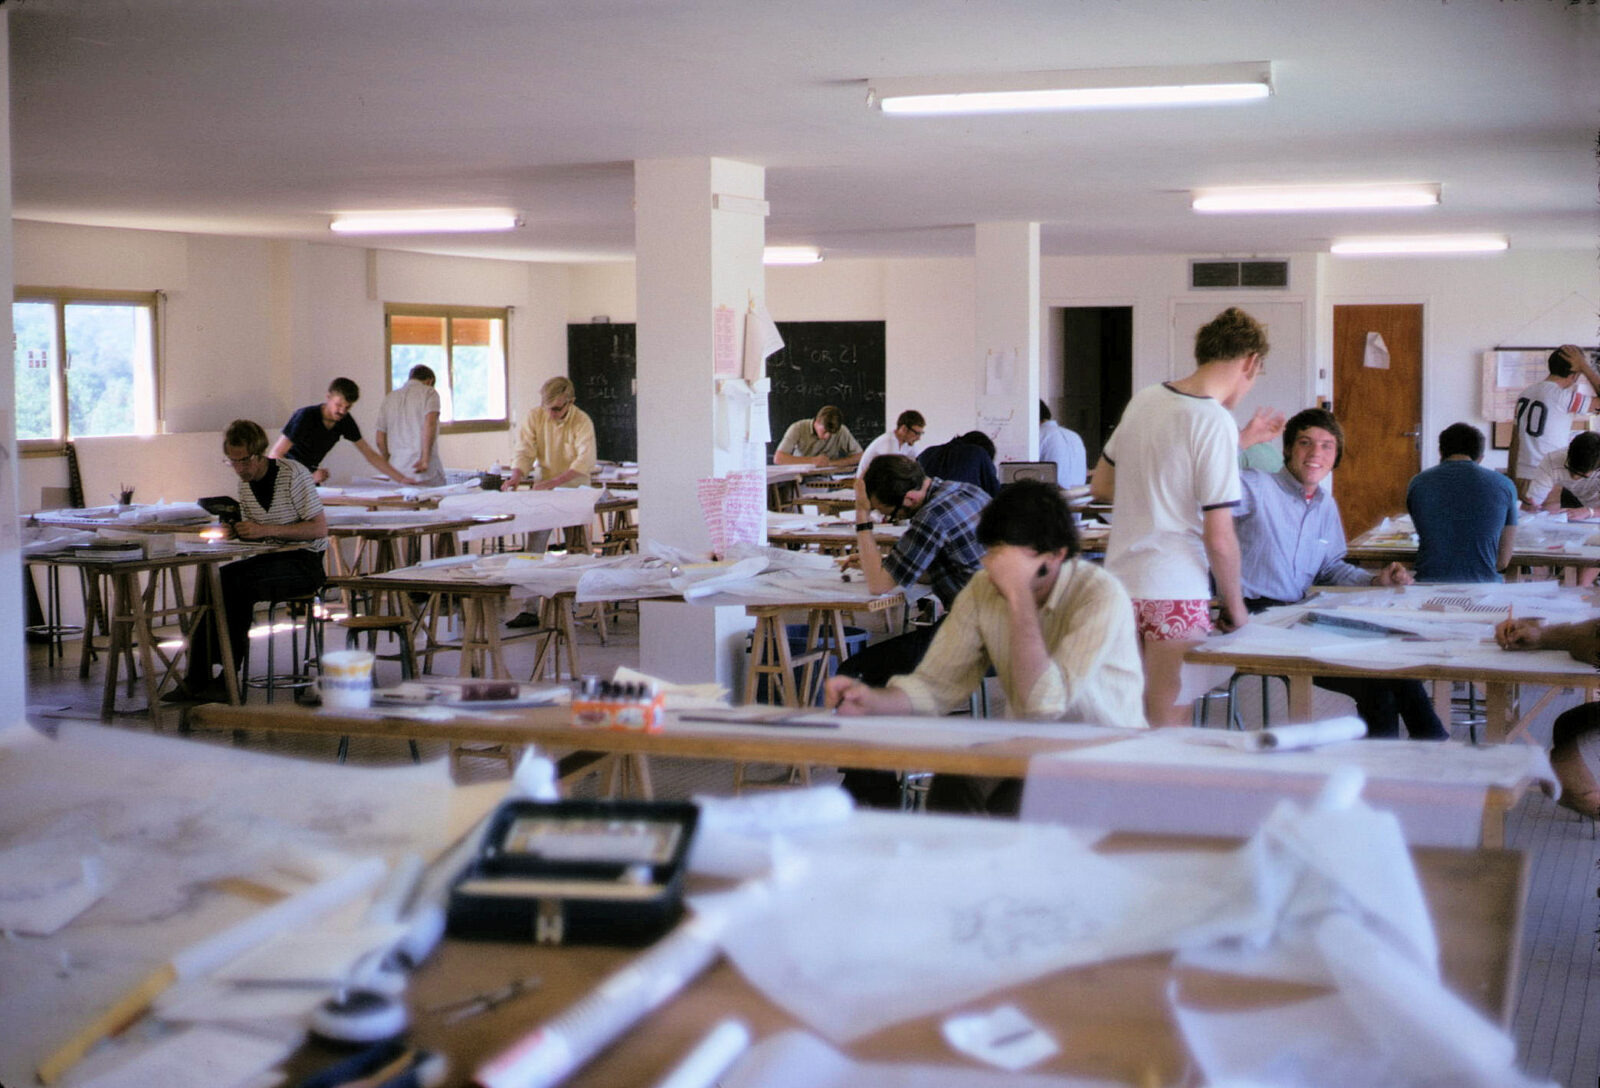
386	539
1264	649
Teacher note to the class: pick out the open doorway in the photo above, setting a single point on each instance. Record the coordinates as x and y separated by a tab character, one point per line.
1096	371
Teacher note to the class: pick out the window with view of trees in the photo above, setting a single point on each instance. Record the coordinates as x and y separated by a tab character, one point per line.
466	349
85	364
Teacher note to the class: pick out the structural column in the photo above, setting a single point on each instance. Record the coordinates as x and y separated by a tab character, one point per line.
1007	270
699	228
13	651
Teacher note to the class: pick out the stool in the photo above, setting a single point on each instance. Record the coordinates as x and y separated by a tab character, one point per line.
305	638
400	628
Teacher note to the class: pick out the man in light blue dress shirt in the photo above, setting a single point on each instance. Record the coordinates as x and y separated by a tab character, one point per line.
1292	538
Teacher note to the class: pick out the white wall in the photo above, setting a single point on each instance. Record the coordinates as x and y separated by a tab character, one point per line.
1470	304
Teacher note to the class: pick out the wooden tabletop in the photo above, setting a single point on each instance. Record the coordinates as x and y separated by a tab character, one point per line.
1111	1018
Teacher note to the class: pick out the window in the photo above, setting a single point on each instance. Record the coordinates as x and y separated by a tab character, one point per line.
465	346
85	364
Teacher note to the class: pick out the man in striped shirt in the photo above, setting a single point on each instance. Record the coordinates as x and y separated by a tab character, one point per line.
279	502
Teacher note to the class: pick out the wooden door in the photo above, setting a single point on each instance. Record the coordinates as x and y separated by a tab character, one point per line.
1380	410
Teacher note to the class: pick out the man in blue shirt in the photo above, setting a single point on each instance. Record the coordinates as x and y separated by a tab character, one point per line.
968	458
1464	514
1291	538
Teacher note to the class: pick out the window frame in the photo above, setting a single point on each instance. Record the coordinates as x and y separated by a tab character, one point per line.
449	314
60	298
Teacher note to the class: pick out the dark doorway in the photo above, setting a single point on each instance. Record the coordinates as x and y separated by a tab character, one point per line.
1096	371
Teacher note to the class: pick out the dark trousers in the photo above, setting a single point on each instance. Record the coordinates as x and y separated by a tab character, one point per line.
874	666
245	583
1384	704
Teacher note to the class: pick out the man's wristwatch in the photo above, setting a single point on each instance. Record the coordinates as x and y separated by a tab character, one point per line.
863	526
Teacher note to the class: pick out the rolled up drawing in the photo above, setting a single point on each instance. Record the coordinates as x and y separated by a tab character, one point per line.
1285	738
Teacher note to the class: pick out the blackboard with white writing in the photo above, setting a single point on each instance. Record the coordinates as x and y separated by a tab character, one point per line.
829	362
601	361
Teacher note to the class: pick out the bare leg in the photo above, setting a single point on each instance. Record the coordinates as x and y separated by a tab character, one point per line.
1163	680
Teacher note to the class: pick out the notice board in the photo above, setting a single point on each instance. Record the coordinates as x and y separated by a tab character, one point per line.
602	363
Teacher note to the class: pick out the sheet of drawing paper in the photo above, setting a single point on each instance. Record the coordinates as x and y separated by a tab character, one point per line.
892	919
797	1059
45	885
200	1057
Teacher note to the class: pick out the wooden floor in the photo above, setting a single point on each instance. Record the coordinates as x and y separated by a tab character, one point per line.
1557	1016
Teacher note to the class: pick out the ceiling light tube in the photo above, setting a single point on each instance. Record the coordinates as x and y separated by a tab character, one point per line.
1304	198
791	255
1090	88
425	222
1439	243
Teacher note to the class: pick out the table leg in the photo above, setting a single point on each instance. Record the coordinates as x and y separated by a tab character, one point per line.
1494	821
145	640
1300	694
1500	712
120	607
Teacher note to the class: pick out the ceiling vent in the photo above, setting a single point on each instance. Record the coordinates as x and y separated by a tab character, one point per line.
1206	275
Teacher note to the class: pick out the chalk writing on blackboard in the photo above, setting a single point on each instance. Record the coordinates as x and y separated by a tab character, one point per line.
601	363
829	362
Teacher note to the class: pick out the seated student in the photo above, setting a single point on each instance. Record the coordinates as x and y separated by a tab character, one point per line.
823	440
1057	630
1464	514
1577	728
1064	447
1291	538
278	502
940	541
908	431
315	429
966	457
1568	479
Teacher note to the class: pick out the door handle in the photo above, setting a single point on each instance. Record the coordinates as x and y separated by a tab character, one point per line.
1415	432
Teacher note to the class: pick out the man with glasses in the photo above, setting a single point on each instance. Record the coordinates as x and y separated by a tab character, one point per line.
558	436
278	502
314	430
908	430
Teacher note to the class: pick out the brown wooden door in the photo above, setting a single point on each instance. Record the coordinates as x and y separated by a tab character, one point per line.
1380	410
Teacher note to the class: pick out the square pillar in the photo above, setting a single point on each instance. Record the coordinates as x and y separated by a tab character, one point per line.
1007	321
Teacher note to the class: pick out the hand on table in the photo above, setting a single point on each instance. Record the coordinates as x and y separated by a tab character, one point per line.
1519	634
847	695
1395	574
1231	617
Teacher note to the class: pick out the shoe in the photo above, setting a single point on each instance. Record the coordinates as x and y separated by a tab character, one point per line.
523	619
211	693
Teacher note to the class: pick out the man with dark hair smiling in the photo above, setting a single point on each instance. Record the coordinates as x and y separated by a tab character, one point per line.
1464	514
314	430
1292	538
1058	631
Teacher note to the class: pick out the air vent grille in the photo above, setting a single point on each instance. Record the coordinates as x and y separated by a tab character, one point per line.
1208	275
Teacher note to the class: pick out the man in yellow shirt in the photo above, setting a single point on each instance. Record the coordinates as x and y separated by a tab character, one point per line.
559	437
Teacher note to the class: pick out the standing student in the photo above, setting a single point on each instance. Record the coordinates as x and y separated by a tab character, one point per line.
1064	447
408	424
823	440
558	436
1545	410
908	431
1465	515
315	429
1170	471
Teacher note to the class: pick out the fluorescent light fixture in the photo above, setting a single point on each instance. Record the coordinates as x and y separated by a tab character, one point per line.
791	255
1438	243
1305	198
1083	89
425	222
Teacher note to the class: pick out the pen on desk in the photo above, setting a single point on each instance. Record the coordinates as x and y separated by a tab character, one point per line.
711	1057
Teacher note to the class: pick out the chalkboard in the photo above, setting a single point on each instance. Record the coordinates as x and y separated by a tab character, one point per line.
601	361
829	362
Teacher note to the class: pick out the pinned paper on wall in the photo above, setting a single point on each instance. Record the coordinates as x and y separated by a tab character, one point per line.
741	413
761	339
1376	356
998	369
725	342
734	507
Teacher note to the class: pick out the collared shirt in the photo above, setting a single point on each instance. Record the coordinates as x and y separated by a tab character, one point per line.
1065	448
557	445
293	498
1095	673
941	539
884	443
1288	543
310	438
801	440
403	420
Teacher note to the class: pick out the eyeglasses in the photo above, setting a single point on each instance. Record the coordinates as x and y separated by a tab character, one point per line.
236	462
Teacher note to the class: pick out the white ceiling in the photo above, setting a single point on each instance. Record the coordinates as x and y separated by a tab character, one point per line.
263	117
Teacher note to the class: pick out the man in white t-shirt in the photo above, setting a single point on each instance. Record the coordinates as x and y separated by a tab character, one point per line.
908	430
408	424
1545	410
1171	472
1064	447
